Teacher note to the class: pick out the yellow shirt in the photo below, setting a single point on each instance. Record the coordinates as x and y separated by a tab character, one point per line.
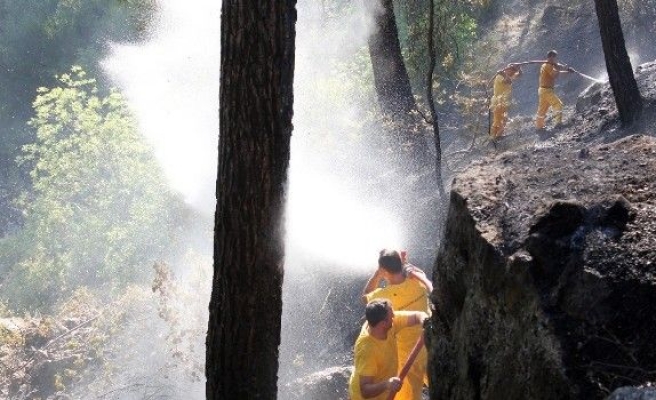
548	74
502	88
375	357
409	295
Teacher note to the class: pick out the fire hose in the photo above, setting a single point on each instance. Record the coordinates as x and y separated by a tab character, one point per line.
552	63
411	359
570	69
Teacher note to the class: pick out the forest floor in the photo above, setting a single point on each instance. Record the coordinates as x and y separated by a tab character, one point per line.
95	348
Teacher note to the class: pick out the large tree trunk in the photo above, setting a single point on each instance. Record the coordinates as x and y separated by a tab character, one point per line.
257	62
391	79
618	63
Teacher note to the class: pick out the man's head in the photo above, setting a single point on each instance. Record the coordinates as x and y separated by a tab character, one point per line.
377	311
390	261
551	55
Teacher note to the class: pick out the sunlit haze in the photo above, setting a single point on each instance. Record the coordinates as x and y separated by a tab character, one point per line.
172	85
328	223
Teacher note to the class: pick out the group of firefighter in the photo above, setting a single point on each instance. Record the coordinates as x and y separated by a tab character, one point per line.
547	98
390	358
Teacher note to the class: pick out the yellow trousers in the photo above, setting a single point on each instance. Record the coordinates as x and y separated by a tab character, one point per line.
548	99
499	119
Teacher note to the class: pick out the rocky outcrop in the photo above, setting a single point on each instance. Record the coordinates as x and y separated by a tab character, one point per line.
327	384
632	393
545	281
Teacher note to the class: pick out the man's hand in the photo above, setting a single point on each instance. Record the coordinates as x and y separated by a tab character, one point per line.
394	384
565	68
420	317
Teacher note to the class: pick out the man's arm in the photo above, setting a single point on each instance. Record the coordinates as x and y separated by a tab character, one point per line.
372	284
564	68
404	319
369	388
418	274
518	73
417	318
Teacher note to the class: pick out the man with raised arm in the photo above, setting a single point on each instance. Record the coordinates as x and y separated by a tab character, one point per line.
408	288
547	97
502	97
375	374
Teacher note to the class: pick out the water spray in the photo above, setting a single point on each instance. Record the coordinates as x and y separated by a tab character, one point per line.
569	69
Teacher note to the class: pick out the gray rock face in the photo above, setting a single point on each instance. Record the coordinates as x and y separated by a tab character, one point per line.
632	393
545	281
328	384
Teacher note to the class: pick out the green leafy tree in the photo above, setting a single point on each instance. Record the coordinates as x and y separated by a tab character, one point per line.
454	30
40	38
100	212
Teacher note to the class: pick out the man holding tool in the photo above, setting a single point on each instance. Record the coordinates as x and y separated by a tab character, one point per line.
375	357
546	96
408	288
502	97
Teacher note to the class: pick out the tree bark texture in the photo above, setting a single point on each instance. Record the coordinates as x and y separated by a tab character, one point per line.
618	63
391	78
256	97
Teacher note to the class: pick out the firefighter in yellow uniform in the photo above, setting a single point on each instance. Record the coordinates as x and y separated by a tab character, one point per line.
546	96
408	290
375	373
502	97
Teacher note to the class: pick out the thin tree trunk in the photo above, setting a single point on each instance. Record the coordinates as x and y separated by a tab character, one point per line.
257	62
618	63
429	98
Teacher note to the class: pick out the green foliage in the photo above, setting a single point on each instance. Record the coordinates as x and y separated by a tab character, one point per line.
455	30
100	211
40	38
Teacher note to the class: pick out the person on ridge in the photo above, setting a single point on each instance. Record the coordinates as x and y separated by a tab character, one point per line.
408	288
375	373
546	96
501	98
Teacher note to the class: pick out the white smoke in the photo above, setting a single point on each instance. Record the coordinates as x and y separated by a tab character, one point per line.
172	85
326	218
